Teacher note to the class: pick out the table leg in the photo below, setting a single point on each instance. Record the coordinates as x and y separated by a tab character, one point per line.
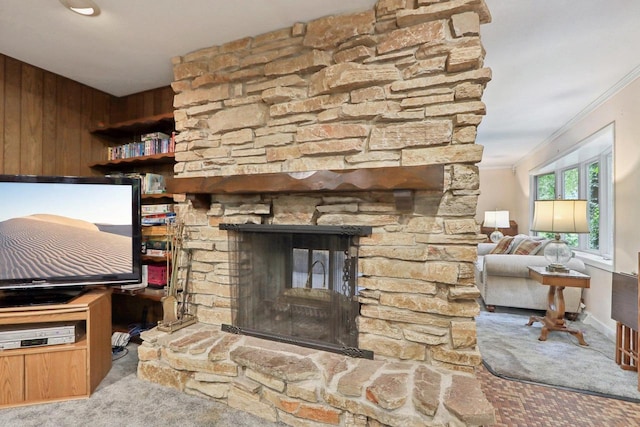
554	318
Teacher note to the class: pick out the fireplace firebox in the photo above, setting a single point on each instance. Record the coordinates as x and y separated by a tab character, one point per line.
296	284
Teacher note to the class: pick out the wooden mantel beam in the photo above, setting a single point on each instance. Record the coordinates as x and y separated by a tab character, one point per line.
401	180
429	178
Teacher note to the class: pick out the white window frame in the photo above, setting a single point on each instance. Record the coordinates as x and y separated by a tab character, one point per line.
595	148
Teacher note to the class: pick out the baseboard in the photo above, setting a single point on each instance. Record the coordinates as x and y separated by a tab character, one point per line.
589	319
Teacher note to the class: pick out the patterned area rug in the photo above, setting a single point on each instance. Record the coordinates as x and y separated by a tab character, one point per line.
511	350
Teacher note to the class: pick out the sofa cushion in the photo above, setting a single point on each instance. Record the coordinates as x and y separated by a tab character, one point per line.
527	247
503	245
517	239
485	248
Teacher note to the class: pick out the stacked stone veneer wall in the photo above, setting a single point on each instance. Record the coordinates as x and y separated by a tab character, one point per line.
399	85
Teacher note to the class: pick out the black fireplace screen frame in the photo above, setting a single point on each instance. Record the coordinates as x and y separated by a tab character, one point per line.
296	284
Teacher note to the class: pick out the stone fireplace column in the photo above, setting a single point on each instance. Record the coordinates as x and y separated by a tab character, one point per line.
364	119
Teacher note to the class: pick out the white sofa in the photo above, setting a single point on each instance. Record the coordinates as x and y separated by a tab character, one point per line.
503	280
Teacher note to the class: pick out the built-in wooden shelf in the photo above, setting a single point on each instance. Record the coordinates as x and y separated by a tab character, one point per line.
141	305
151	258
160	122
145	293
136	161
156	196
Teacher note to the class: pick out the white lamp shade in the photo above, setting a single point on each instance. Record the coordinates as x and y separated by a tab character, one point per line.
560	216
496	219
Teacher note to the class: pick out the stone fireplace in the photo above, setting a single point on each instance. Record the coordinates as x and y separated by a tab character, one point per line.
368	121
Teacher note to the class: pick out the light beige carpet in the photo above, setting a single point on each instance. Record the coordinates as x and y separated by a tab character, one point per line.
510	349
122	399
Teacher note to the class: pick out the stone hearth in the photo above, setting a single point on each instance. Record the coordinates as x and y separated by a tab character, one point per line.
367	119
305	387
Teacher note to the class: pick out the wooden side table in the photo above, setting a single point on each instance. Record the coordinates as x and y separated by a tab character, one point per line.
554	318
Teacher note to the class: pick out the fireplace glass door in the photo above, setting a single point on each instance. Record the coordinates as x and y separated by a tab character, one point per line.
296	284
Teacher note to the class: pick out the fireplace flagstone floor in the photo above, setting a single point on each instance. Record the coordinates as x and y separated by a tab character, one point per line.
516	404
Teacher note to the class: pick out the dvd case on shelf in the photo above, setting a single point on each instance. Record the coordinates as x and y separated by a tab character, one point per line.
149	144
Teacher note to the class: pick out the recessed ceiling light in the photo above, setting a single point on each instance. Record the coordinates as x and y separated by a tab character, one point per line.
83	7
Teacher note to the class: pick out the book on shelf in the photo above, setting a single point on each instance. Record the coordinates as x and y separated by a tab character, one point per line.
156	252
158	219
150	183
155	209
154	135
157	244
153	247
149	144
161	231
153	183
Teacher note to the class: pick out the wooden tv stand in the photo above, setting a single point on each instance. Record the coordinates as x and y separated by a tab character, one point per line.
58	372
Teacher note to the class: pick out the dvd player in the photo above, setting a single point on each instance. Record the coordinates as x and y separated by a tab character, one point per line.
17	336
34	342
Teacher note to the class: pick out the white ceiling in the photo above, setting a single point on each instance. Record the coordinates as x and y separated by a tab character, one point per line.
552	60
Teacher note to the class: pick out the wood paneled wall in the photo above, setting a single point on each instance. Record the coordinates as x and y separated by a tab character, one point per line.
45	119
142	104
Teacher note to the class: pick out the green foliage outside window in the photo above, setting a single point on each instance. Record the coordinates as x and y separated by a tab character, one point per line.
570	183
570	179
546	187
593	204
546	190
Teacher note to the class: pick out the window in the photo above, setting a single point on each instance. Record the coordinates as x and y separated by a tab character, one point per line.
593	204
571	190
546	186
585	173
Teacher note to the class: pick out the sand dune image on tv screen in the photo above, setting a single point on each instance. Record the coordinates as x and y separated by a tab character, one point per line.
45	246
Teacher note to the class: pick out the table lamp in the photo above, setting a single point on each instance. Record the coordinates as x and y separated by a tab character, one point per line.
496	219
559	216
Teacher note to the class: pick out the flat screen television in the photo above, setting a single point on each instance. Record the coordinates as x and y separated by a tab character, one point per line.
68	232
